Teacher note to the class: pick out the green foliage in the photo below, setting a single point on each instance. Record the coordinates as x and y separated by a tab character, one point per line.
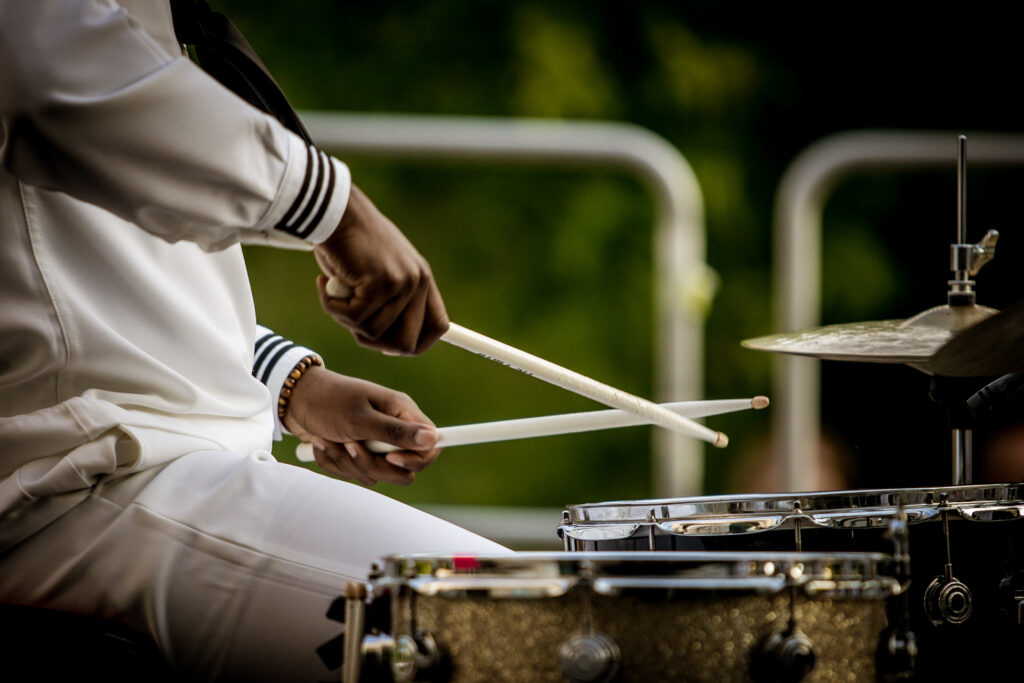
558	69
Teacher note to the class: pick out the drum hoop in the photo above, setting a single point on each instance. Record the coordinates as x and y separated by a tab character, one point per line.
720	515
549	575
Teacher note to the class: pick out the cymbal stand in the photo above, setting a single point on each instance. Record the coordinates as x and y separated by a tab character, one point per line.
952	393
965	260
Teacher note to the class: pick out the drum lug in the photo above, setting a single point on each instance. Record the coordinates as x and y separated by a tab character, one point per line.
897	655
1011	596
417	657
947	600
784	656
589	658
567	542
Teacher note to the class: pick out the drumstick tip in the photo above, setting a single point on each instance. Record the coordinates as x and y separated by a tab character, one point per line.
721	441
759	402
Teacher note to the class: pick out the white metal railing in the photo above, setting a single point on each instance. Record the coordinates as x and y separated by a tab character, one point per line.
681	276
799	205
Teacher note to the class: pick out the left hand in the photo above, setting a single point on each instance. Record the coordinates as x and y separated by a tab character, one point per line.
336	413
395	305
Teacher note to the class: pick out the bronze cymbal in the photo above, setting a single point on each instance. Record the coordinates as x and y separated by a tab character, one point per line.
912	340
993	346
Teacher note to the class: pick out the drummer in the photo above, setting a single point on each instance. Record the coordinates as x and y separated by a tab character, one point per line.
139	398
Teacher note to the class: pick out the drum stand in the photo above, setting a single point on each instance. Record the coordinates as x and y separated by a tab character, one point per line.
952	393
965	260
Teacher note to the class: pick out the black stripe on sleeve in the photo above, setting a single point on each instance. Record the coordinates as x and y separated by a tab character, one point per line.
318	183
326	200
258	363
261	340
286	219
273	361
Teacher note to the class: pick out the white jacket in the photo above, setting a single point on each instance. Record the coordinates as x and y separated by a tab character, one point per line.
129	177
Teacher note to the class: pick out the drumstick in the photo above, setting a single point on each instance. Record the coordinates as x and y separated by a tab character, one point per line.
562	377
553	425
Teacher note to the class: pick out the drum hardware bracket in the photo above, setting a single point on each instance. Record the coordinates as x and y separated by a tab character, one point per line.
588	656
952	394
417	657
897	651
798	536
567	541
965	260
355	625
788	655
784	656
947	600
970	258
652	520
1011	593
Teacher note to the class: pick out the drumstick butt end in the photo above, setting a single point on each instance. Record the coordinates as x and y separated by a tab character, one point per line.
304	452
337	289
721	441
759	402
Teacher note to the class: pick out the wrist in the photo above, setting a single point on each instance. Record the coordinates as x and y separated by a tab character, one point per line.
296	387
350	216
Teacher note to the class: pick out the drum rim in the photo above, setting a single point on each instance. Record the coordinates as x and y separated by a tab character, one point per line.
541	574
777	509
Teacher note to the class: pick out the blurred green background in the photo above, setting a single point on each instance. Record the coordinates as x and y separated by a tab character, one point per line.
558	262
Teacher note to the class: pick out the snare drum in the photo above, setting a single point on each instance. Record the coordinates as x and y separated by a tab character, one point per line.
644	616
965	544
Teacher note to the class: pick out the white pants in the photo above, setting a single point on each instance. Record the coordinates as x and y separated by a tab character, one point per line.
229	561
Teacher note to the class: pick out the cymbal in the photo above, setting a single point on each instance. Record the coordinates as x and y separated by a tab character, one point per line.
993	346
912	341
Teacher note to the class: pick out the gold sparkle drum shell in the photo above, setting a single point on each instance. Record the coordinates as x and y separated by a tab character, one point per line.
641	616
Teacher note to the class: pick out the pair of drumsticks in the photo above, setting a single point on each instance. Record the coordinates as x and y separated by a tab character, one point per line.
630	409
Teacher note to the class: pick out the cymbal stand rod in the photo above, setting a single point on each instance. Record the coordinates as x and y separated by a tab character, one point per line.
960	287
961	197
963	457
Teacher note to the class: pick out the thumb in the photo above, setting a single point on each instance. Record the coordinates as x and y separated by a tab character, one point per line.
407	435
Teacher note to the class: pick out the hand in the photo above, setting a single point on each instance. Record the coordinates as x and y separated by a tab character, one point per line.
395	305
335	413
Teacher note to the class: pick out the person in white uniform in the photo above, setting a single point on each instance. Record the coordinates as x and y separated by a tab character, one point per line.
138	396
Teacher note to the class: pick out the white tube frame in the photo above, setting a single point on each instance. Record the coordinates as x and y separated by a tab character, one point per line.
799	205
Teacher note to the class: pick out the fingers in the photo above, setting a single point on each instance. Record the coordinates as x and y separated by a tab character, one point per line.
351	461
395	305
435	322
413	461
343	411
408	323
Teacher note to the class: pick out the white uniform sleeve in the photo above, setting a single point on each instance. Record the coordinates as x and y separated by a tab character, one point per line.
92	106
274	358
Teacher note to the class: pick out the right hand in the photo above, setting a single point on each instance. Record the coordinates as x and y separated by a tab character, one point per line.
395	305
336	414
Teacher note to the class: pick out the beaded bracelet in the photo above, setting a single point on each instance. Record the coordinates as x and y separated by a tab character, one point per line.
291	380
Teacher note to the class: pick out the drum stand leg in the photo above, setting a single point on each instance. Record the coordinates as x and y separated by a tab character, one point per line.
963	468
951	393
